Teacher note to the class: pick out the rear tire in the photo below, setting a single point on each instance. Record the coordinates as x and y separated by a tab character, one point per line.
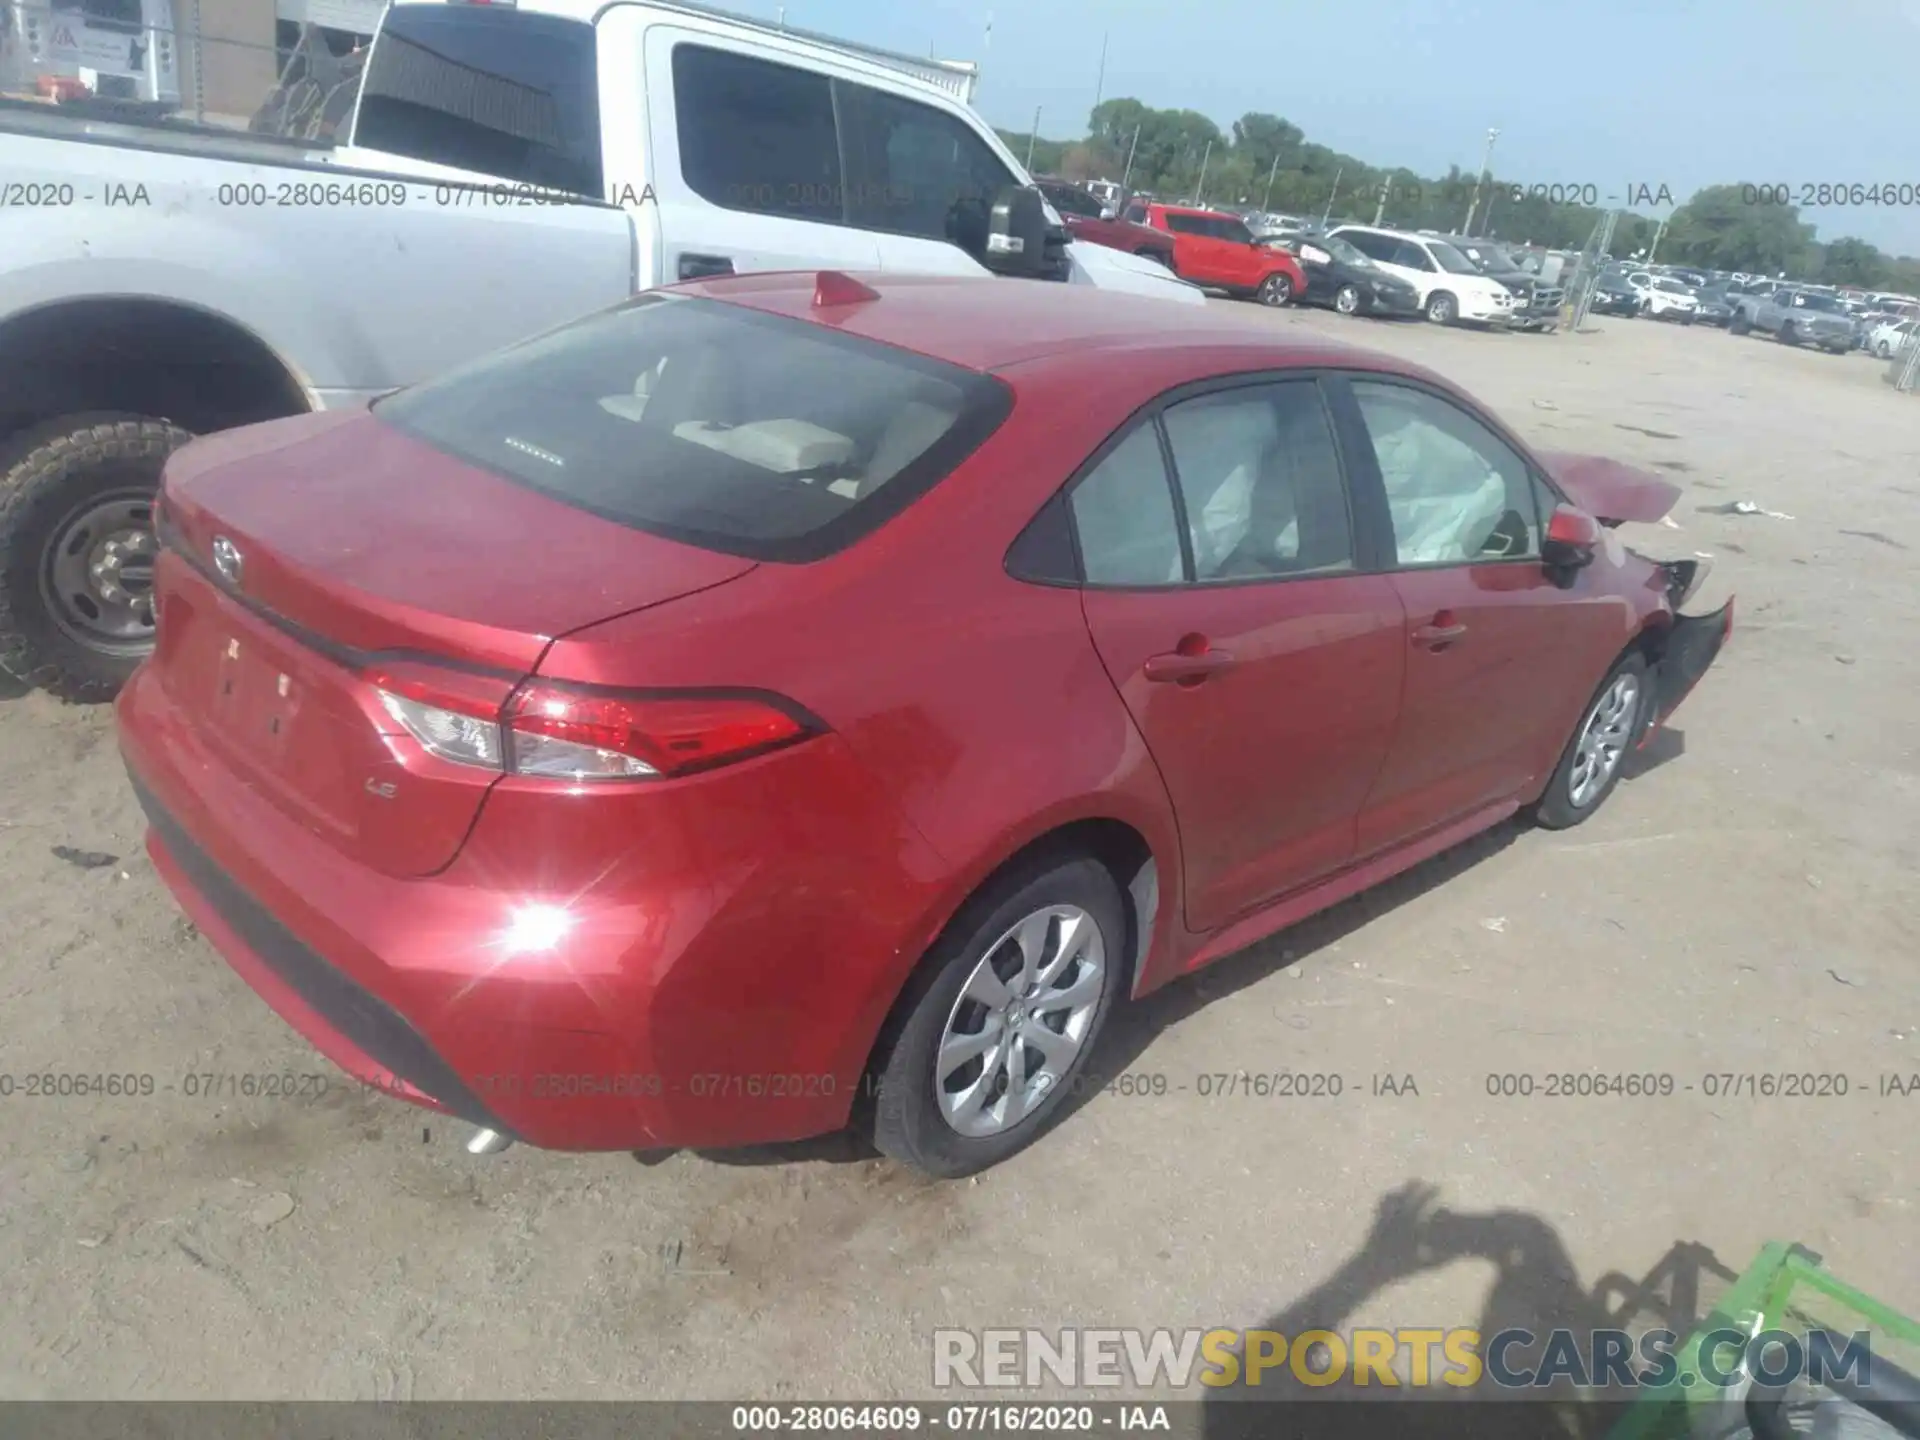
1276	290
1610	725
77	549
939	1010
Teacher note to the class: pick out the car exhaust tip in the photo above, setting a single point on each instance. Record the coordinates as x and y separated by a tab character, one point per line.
487	1142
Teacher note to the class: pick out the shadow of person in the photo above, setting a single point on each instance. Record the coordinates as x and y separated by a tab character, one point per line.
1536	1288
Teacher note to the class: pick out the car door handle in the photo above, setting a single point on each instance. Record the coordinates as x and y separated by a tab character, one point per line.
1175	668
699	267
1437	636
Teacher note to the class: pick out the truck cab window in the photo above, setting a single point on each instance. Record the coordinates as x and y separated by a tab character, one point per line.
757	136
915	170
511	94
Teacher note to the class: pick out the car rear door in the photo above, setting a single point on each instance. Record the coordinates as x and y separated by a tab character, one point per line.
1193	248
1234	603
1499	656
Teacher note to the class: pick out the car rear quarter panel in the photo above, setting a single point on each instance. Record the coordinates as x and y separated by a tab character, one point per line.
976	701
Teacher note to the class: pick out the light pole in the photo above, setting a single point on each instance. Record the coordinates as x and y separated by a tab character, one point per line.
1127	174
1486	163
1100	84
1033	135
1200	188
1381	208
1654	249
1328	215
1266	200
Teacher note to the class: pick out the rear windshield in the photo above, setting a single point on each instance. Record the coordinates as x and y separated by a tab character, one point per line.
712	424
513	95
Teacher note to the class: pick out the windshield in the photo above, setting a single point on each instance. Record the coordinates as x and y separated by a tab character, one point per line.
1450	259
1671	287
711	424
1816	302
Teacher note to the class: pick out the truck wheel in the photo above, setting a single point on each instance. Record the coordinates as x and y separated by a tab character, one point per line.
1739	325
1788	334
77	549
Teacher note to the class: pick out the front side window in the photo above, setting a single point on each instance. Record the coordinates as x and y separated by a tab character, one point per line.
915	170
1069	200
1234	230
711	424
1123	515
1457	493
757	136
1260	480
1410	256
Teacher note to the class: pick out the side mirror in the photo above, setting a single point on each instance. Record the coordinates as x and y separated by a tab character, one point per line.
1107	212
1017	232
1572	538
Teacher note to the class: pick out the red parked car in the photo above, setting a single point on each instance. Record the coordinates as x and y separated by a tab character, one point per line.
1086	219
791	699
1219	252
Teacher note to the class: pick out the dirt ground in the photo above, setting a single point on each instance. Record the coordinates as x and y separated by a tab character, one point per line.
1736	909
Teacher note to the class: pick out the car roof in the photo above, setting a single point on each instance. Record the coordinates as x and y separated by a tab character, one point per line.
985	323
1196	210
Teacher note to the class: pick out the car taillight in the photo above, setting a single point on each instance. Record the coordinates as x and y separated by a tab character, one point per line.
452	713
560	733
580	735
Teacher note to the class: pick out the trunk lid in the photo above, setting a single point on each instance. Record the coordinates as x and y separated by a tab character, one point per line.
1609	490
362	554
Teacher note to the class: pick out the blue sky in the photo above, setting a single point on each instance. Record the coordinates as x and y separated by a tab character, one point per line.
1677	92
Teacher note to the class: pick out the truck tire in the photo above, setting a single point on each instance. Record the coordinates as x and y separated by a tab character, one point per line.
77	549
1739	325
1788	334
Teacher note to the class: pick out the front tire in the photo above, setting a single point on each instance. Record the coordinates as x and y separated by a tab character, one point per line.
1739	325
997	1026
1591	764
1276	290
1789	335
1442	308
77	550
1347	300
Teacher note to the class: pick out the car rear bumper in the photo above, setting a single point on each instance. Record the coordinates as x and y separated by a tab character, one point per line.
723	970
1691	647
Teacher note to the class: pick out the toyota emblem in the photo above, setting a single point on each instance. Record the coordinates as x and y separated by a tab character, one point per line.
226	559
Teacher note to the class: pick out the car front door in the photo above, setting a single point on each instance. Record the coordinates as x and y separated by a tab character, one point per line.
1233	602
1499	656
1245	261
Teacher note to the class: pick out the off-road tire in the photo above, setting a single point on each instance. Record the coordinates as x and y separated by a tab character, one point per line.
47	473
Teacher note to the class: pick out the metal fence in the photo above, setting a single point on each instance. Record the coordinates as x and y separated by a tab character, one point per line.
1903	370
1578	300
56	54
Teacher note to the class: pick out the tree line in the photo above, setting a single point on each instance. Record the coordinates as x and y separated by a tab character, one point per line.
1268	162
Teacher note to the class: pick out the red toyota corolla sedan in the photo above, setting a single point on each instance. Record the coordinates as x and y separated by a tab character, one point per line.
798	699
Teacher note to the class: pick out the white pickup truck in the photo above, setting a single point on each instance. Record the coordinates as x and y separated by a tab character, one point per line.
506	168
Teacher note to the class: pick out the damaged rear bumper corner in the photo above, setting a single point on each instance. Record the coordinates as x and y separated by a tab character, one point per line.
1692	645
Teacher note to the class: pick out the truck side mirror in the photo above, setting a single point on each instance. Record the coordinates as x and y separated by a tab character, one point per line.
1017	232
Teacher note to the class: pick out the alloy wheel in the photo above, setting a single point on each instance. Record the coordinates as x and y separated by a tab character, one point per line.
1603	740
1020	1022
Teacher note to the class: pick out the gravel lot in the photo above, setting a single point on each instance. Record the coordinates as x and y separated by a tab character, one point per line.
1737	908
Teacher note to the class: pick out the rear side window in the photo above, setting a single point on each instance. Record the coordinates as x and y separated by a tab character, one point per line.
505	92
712	424
757	136
1186	224
1123	514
